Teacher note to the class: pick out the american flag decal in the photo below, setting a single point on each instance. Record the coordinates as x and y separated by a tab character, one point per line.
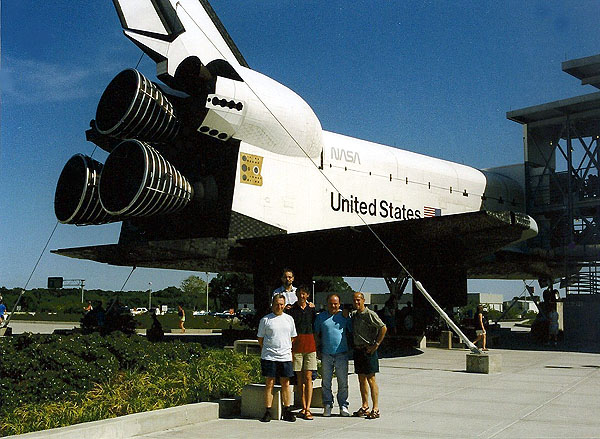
431	211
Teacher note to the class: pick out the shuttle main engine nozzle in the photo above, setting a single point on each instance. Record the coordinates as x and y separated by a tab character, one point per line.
132	107
76	200
137	181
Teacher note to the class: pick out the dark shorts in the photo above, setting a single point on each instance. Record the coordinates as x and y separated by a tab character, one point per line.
276	369
364	363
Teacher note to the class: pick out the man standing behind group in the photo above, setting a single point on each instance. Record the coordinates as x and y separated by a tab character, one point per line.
287	289
276	332
331	329
304	349
368	332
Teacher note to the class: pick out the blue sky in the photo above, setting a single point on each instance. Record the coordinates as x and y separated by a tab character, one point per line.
434	77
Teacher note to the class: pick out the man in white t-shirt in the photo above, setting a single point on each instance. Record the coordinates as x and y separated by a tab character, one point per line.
276	332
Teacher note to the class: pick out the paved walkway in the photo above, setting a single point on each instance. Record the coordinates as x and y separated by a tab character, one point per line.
39	327
538	394
542	392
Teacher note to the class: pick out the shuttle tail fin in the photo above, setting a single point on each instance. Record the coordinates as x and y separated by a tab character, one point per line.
170	31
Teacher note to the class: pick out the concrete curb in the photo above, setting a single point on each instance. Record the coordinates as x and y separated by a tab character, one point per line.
125	427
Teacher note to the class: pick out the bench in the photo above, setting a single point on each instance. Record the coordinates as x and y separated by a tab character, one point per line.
246	346
253	400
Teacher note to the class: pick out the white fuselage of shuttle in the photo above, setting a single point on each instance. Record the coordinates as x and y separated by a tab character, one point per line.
310	179
357	179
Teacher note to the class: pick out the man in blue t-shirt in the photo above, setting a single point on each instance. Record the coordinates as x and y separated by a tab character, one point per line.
331	328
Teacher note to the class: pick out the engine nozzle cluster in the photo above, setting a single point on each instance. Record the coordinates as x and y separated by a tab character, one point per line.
136	180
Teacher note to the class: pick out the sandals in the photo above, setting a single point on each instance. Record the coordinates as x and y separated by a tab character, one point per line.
361	412
305	414
373	414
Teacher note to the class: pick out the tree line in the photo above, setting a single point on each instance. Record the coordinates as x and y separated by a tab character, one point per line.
223	292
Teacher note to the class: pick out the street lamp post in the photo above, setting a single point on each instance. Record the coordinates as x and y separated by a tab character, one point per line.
313	292
149	296
207	310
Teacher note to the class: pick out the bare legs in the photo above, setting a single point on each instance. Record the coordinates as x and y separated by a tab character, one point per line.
483	341
366	383
285	391
305	386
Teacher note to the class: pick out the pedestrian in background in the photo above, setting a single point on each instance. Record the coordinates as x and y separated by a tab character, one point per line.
480	328
553	324
181	314
2	311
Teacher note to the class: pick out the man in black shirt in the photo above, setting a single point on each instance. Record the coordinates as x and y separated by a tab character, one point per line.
304	349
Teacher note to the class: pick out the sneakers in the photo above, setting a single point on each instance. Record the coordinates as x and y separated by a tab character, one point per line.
266	417
288	415
344	412
327	411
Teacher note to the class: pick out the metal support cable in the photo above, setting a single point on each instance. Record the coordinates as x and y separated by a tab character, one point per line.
31	275
127	280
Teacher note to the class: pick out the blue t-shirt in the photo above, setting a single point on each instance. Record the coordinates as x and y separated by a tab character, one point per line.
333	331
2	309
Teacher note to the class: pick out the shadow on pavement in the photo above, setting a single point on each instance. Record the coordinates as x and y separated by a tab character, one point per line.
525	341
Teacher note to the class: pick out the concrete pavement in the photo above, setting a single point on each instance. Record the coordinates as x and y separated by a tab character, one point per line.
39	327
541	392
538	394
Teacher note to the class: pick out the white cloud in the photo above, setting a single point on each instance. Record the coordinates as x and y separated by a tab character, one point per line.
28	81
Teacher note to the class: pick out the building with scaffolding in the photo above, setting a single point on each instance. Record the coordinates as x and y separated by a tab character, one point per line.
562	186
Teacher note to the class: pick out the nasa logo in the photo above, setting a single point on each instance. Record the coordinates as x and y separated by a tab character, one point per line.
346	155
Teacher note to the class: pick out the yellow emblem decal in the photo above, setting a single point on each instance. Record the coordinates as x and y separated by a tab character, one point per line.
250	167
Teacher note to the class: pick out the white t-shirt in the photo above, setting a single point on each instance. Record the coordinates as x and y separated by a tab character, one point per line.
277	332
290	296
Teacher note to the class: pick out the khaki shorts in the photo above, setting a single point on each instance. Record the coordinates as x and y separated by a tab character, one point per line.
305	361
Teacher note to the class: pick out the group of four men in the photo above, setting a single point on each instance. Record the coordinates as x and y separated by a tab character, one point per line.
292	334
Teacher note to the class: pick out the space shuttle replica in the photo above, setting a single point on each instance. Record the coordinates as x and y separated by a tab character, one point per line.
220	168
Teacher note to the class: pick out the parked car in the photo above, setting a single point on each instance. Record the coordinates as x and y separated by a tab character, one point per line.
138	311
200	313
245	312
227	314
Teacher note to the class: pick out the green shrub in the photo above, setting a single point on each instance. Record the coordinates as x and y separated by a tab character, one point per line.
212	375
49	367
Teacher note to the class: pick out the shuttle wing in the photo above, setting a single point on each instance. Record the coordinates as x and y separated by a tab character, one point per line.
455	240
